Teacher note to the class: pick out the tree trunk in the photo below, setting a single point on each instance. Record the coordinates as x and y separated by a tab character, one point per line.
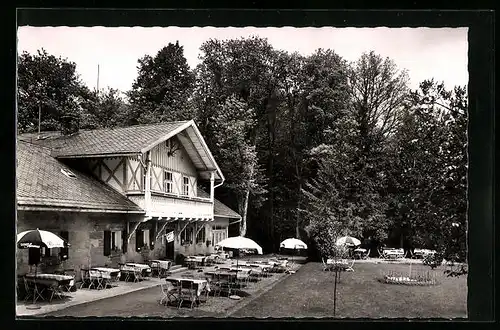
244	209
297	215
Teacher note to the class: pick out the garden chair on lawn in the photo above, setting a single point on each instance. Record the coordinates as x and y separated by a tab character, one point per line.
349	265
170	293
187	293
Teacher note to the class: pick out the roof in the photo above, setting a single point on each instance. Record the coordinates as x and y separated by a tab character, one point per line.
131	140
220	209
42	183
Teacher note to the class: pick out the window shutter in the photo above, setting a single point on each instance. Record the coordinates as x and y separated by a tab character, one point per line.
124	240
152	237
139	242
107	242
64	252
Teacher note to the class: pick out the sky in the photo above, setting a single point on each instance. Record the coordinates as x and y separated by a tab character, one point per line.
439	53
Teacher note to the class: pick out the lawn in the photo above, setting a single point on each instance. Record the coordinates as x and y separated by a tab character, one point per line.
309	293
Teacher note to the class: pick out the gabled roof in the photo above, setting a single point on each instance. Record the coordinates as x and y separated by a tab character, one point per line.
42	183
220	209
131	140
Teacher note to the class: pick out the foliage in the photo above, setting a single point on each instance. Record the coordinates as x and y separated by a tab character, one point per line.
51	84
162	89
433	260
104	109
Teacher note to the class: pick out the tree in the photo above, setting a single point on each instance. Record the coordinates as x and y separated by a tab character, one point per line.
50	86
432	145
104	109
236	74
162	89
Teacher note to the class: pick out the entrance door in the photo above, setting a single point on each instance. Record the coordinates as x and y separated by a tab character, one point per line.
169	246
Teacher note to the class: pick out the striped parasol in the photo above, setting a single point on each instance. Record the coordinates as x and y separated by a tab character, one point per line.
39	238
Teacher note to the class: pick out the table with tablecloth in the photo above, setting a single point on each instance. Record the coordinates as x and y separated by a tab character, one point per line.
111	274
131	268
393	253
199	284
42	281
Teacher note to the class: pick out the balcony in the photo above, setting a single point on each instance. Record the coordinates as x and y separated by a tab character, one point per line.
173	206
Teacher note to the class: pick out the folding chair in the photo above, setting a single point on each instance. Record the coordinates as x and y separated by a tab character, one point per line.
215	286
205	291
349	266
169	292
137	275
187	293
55	290
29	289
84	273
326	267
155	268
96	279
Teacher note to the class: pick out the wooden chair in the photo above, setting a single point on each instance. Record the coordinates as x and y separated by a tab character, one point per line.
326	267
170	293
187	293
84	274
29	289
96	279
138	275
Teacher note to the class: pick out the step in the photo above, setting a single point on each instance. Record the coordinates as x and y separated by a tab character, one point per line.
177	270
174	267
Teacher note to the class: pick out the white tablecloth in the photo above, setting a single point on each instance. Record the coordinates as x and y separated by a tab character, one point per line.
164	264
199	283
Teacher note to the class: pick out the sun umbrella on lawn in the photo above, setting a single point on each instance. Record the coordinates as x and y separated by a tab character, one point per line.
348	240
239	242
293	243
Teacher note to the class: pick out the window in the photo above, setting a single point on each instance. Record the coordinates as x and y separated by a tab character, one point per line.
168	182
185	185
200	237
144	238
187	236
116	241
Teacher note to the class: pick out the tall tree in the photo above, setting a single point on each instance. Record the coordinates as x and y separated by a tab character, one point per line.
241	69
162	89
104	109
48	86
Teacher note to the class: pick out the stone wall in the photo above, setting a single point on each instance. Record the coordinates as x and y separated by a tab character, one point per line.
85	235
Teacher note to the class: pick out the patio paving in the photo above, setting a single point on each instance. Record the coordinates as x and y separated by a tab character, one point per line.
82	296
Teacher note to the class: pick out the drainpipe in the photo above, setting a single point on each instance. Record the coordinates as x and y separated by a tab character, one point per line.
212	188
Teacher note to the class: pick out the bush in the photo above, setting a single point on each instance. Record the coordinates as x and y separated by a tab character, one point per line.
433	260
179	259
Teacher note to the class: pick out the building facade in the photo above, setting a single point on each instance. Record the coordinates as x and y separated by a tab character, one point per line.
121	194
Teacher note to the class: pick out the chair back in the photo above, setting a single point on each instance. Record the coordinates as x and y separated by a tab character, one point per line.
93	273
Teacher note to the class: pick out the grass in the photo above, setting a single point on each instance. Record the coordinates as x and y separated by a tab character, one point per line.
309	293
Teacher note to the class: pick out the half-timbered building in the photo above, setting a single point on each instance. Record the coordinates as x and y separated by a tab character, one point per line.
122	194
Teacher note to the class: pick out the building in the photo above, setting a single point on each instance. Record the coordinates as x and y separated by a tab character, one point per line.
120	194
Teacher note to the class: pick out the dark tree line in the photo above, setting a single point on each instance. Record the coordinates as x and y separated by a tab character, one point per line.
311	146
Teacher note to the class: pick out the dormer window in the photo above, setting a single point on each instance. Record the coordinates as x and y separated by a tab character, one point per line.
68	173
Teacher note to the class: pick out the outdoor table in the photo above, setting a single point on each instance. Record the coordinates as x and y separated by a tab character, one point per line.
145	269
160	266
42	281
360	252
200	284
423	252
108	273
393	253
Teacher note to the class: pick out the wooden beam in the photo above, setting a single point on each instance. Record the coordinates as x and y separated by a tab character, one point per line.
199	229
133	230
180	231
162	228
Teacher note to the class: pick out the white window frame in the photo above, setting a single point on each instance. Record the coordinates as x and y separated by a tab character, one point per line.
168	182
116	241
185	186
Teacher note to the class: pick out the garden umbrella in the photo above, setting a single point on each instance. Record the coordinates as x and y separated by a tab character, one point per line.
36	239
39	238
348	240
293	243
